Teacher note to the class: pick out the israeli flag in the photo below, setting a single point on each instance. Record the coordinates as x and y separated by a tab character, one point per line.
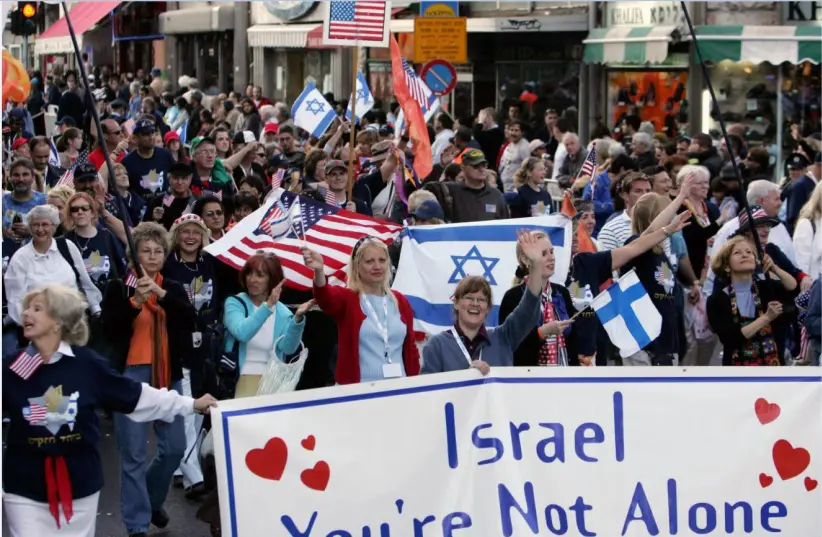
365	99
428	112
628	315
54	157
435	258
312	112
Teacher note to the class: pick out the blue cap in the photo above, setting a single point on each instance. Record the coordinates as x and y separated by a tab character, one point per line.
67	120
18	113
427	210
144	126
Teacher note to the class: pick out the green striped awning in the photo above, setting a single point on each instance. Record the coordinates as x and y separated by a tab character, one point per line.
628	44
759	44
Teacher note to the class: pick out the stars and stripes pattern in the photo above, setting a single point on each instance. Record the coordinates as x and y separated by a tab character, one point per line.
415	85
67	178
26	364
330	231
331	198
363	20
590	163
277	179
36	413
273	217
131	280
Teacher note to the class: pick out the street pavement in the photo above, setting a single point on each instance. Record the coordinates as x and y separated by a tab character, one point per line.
109	523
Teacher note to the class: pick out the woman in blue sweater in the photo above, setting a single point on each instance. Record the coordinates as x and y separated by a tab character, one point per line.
259	322
468	343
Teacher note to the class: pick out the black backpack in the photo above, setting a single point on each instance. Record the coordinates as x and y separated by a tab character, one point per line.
220	369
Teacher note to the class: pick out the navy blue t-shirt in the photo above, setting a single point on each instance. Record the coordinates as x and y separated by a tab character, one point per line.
148	177
54	413
102	254
589	272
659	280
530	202
199	282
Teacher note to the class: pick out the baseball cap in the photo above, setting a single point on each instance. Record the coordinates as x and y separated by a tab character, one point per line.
334	164
536	144
67	120
271	128
85	172
18	113
118	103
170	135
427	210
179	169
199	140
144	126
760	218
244	137
797	161
473	157
19	142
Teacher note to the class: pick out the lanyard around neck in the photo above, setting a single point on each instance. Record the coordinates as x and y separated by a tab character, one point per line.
382	329
461	345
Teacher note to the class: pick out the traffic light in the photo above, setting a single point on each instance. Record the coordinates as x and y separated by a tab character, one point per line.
23	19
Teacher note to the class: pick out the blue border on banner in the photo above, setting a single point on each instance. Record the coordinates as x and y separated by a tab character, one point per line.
476	382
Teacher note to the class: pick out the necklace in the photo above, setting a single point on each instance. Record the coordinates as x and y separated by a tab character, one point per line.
185	263
83	247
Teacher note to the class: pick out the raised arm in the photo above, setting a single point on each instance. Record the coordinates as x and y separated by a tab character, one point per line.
646	241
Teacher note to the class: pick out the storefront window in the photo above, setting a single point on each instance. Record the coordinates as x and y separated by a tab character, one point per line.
556	84
318	69
656	96
801	106
746	93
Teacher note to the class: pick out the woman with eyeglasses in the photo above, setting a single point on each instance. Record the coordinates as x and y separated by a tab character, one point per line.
102	252
211	210
375	325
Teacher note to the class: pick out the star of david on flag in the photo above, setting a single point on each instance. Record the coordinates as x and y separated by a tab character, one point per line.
312	112
435	259
628	315
365	99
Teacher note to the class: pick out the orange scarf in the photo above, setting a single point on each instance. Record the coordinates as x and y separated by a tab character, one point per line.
160	362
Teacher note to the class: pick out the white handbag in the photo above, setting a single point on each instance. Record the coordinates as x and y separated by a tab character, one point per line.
280	376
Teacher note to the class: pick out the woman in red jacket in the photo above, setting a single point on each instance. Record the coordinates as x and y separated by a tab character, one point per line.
375	325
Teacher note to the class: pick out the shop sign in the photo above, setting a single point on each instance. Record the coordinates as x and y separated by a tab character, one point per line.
644	14
802	13
289	11
523	25
440	38
440	9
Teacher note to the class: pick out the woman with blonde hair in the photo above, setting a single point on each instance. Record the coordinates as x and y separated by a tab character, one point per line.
375	325
532	198
552	340
807	237
59	196
51	391
747	315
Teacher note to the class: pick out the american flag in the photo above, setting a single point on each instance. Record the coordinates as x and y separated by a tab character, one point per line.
26	364
36	413
273	217
415	86
68	177
330	231
188	209
277	179
331	198
363	20
131	280
590	163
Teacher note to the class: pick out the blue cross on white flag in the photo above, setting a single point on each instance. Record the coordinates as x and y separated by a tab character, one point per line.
628	315
365	99
435	258
312	112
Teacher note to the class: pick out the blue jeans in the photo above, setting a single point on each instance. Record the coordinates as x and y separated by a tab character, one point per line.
142	490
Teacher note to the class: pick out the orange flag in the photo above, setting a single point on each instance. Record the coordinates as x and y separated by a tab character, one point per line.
584	241
403	75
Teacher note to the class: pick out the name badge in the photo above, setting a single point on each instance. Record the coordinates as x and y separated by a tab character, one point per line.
490	208
196	339
391	371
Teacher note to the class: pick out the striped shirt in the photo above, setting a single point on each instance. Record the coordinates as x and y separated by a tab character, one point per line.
615	232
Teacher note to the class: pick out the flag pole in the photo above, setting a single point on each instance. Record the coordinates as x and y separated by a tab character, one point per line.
101	137
355	60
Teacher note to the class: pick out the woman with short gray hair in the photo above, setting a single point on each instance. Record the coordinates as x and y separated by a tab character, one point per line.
46	260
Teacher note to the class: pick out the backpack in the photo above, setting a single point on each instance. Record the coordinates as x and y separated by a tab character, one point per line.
220	369
443	195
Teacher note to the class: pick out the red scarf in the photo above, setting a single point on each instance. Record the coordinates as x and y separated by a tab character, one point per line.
549	351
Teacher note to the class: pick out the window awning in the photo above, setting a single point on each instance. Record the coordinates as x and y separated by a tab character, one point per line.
197	20
759	44
84	16
628	44
279	35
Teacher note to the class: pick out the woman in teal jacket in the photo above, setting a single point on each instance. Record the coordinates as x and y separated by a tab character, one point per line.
259	322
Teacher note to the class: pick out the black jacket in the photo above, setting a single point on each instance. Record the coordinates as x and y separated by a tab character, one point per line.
119	315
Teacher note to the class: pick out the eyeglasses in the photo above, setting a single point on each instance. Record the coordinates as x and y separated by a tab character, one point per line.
261	155
78	208
212	214
479	300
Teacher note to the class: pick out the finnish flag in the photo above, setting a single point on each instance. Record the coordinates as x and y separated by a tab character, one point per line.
628	315
365	99
435	258
311	112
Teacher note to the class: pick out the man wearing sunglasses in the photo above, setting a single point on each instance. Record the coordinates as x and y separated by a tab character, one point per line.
114	143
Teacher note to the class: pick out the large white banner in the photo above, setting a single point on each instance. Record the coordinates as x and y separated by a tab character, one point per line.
563	451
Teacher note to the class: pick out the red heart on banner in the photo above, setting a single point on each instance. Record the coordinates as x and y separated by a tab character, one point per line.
316	478
789	461
766	412
765	480
268	462
810	484
308	442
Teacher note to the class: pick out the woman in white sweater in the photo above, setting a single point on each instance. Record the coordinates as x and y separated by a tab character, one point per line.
807	237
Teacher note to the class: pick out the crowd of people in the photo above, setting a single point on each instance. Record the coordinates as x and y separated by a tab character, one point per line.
732	290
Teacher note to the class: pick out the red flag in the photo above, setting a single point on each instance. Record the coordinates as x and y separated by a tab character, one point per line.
584	241
414	118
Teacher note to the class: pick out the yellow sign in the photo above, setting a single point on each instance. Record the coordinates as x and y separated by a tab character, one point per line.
437	9
440	38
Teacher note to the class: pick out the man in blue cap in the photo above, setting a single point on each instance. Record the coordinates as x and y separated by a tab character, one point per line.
148	165
798	191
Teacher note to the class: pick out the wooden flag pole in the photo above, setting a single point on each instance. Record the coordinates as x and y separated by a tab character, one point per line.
355	60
